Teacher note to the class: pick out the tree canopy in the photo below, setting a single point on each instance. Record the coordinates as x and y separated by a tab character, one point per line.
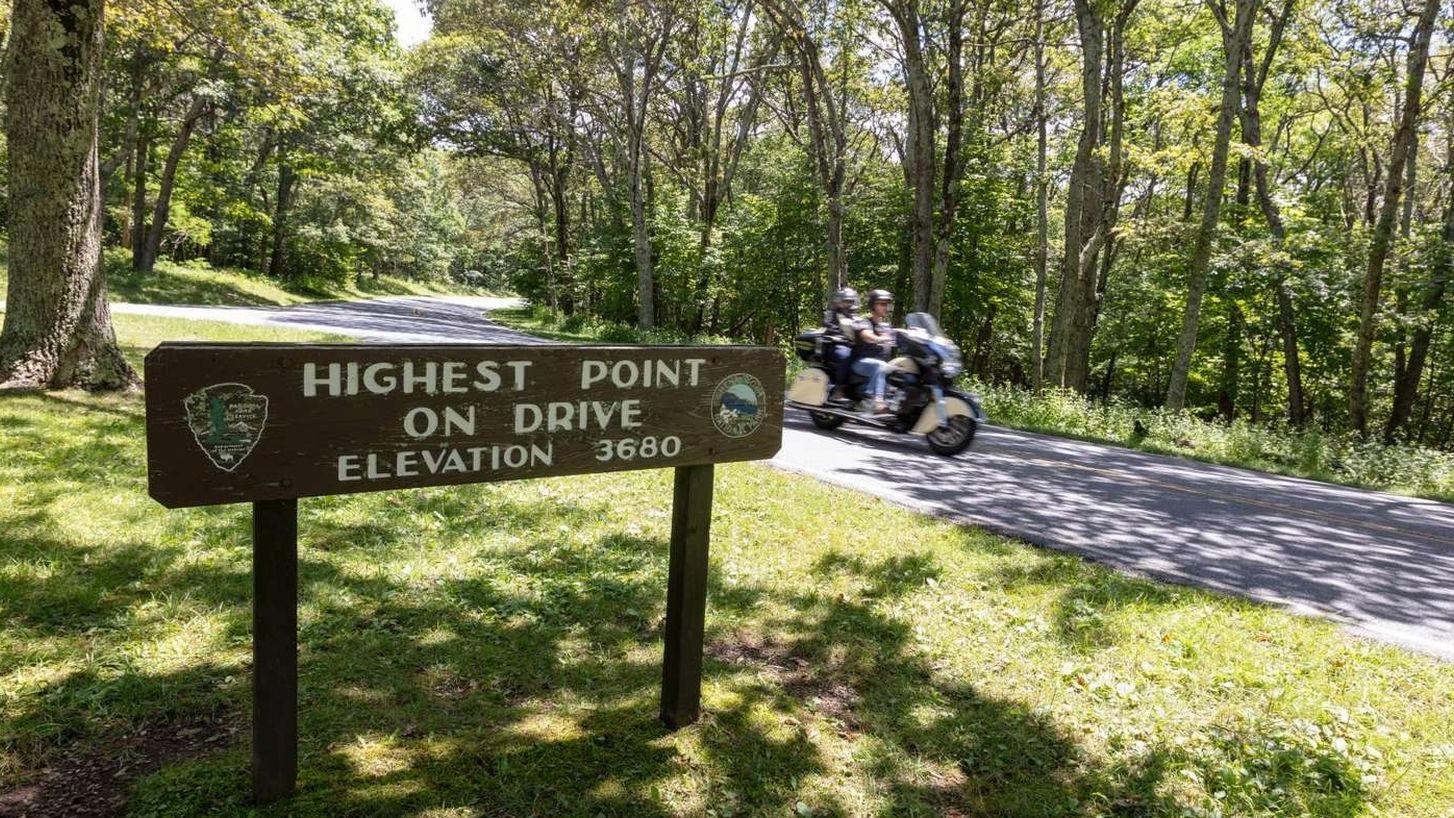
1241	206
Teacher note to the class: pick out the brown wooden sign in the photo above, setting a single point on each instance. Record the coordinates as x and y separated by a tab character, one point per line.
269	423
229	423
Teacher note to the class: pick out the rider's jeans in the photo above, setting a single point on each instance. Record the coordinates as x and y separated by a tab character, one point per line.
877	372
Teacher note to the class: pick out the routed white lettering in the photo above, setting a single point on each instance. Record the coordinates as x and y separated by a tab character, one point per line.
377	385
406	464
489	379
521	424
427	380
560	415
592	371
519	367
412	419
454	376
630	414
348	467
311	381
696	367
454	421
628	380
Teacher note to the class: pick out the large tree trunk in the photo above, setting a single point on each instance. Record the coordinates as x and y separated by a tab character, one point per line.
152	248
1235	35
57	330
949	189
919	156
1083	190
1093	199
1388	213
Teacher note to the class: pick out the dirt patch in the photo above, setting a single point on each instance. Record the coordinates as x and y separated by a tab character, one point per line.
818	687
94	783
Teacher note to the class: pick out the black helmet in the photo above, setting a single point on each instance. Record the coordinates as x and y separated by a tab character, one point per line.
875	296
846	297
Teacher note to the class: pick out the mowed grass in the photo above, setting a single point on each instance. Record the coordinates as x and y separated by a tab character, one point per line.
495	651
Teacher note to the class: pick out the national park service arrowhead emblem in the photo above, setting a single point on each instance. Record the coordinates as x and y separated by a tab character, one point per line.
226	419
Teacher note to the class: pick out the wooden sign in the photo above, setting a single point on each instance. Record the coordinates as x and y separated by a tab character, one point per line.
269	423
229	423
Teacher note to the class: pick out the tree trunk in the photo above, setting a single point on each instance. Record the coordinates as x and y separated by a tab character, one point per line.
953	157
1388	212
641	245
1406	384
138	196
1234	38
152	247
920	154
1254	79
287	179
1084	188
1042	208
1231	362
57	330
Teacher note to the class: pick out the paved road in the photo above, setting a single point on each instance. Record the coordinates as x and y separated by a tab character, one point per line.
378	320
1380	564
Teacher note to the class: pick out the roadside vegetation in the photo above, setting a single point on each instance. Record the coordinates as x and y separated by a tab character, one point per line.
197	282
496	648
1330	456
1279	448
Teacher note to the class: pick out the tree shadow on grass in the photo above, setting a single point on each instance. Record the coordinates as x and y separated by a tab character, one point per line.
527	684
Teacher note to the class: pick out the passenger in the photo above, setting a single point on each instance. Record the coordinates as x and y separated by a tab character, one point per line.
837	323
874	342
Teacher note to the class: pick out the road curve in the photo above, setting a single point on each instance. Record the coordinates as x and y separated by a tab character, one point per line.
1380	564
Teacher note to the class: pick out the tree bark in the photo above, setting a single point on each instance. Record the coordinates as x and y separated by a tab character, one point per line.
1406	384
1388	213
287	181
152	248
1234	37
949	188
138	196
1254	78
1093	198
919	157
1084	185
57	330
1231	362
1042	208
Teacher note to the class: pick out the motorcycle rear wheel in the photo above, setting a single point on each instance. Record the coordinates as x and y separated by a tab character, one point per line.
825	421
953	437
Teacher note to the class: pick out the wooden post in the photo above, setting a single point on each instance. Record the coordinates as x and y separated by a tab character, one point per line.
686	596
274	649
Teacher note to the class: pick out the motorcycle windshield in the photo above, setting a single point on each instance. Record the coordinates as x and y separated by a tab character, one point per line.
925	322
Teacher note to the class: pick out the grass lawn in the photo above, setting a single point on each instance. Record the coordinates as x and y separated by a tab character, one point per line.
198	283
495	651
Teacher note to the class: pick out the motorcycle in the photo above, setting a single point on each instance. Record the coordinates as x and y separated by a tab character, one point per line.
920	398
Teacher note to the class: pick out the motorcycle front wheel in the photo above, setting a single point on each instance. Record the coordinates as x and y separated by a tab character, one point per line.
825	421
953	437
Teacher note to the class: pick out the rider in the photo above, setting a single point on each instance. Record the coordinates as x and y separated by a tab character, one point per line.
837	322
874	340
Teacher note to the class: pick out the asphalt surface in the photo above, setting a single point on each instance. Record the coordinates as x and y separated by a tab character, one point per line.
1380	564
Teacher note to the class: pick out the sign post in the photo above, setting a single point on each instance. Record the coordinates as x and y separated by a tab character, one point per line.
270	423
